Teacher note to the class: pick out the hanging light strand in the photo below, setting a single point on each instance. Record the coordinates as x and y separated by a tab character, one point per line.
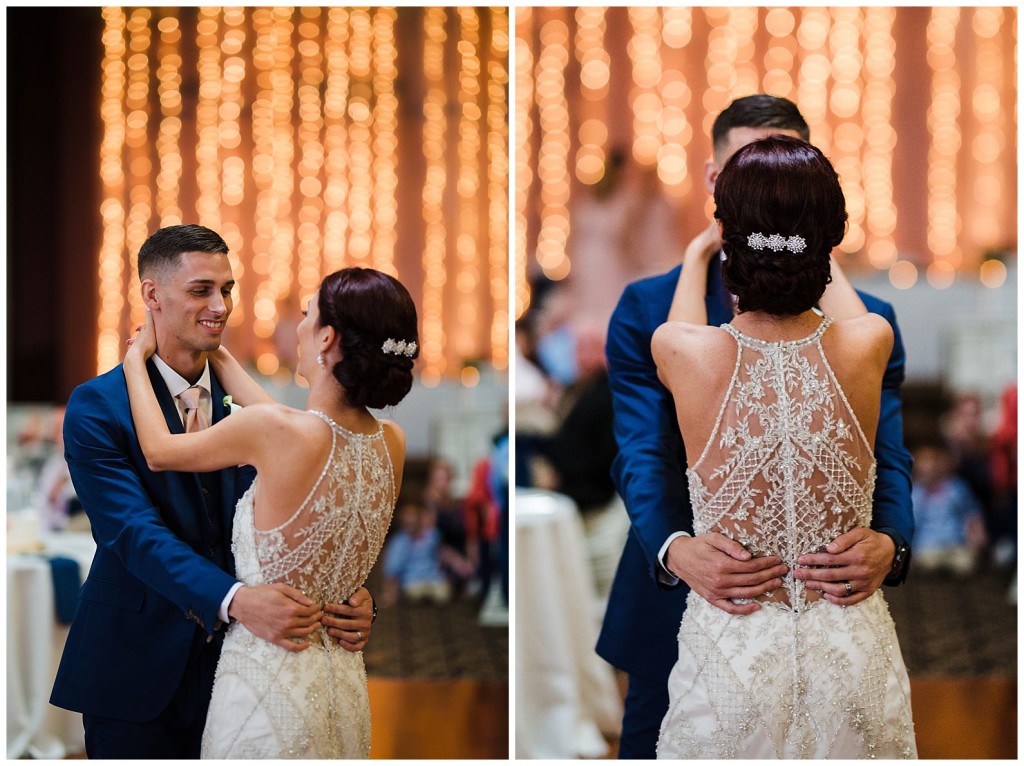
467	277
879	135
676	130
208	119
497	184
943	121
335	139
385	125
987	198
435	128
233	163
360	141
524	174
168	149
645	98
112	247
555	143
845	106
263	307
140	166
595	75
311	152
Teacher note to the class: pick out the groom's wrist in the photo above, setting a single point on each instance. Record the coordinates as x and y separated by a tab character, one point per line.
225	605
665	575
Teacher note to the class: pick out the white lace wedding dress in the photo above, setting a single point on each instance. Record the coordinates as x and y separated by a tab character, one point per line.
787	469
271	703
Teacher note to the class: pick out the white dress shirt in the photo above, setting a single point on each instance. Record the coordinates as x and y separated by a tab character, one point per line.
176	384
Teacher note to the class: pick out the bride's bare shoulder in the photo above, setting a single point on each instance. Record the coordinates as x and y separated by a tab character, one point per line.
686	340
868	334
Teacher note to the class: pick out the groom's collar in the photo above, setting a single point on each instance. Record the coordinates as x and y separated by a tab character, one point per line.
175	383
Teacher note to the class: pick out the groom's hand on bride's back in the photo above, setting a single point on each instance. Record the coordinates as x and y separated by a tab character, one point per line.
277	613
351	622
719	569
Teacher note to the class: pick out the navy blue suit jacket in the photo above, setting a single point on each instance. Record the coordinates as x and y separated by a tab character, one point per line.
643	615
153	582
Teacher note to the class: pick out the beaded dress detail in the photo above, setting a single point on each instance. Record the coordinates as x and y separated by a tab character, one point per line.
787	470
271	703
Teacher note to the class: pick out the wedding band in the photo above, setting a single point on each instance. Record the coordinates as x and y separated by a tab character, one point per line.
849	588
360	634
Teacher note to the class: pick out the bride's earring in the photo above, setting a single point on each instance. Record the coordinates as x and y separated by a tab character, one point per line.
320	358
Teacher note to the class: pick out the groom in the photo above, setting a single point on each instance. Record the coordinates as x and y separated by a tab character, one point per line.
143	646
663	560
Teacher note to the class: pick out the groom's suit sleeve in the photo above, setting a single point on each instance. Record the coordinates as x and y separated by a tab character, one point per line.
124	518
893	511
648	469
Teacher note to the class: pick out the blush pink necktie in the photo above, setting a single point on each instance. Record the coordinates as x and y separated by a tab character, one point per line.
195	420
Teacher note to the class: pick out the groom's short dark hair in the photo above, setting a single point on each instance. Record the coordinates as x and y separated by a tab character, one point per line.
758	111
164	246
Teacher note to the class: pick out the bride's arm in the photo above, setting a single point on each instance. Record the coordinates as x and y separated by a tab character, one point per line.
688	302
840	300
236	381
240	439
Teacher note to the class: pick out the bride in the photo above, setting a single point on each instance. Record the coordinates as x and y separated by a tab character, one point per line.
315	517
783	465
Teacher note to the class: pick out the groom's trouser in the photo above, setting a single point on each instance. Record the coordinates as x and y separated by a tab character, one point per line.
645	707
178	731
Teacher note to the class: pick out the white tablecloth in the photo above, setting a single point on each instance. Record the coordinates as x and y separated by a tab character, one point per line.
566	695
35	641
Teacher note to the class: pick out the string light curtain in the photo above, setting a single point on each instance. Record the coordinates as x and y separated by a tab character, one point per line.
916	107
287	130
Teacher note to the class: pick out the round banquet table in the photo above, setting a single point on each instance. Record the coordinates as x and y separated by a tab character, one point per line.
35	640
566	695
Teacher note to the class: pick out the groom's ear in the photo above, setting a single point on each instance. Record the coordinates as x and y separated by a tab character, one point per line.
150	294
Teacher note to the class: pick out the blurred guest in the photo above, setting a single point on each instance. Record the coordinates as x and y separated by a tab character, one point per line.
535	396
438	497
949	526
581	450
412	559
964	435
602	264
553	318
481	514
1003	527
577	459
500	490
61	509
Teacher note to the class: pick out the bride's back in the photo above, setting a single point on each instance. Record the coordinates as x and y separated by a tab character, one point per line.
778	459
326	544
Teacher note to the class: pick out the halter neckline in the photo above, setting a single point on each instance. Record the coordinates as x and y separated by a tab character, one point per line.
331	422
752	342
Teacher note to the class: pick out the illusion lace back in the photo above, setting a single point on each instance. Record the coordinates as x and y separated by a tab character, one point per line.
787	470
268	702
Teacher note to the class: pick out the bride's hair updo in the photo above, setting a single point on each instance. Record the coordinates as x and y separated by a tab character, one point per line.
779	186
367	308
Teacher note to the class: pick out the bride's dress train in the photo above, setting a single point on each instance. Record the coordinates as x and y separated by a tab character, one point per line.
271	703
786	470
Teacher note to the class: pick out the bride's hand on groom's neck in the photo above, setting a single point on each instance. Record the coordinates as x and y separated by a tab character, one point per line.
143	345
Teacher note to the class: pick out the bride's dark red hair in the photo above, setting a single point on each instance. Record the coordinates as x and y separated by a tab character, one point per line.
779	185
367	307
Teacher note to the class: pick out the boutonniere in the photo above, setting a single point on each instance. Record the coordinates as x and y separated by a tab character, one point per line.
230	405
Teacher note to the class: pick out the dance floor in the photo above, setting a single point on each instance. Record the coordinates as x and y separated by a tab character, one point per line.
438	719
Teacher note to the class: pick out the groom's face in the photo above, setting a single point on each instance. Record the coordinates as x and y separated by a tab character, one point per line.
194	303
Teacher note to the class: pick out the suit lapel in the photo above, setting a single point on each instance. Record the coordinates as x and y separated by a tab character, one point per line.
227	475
188	483
167	404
